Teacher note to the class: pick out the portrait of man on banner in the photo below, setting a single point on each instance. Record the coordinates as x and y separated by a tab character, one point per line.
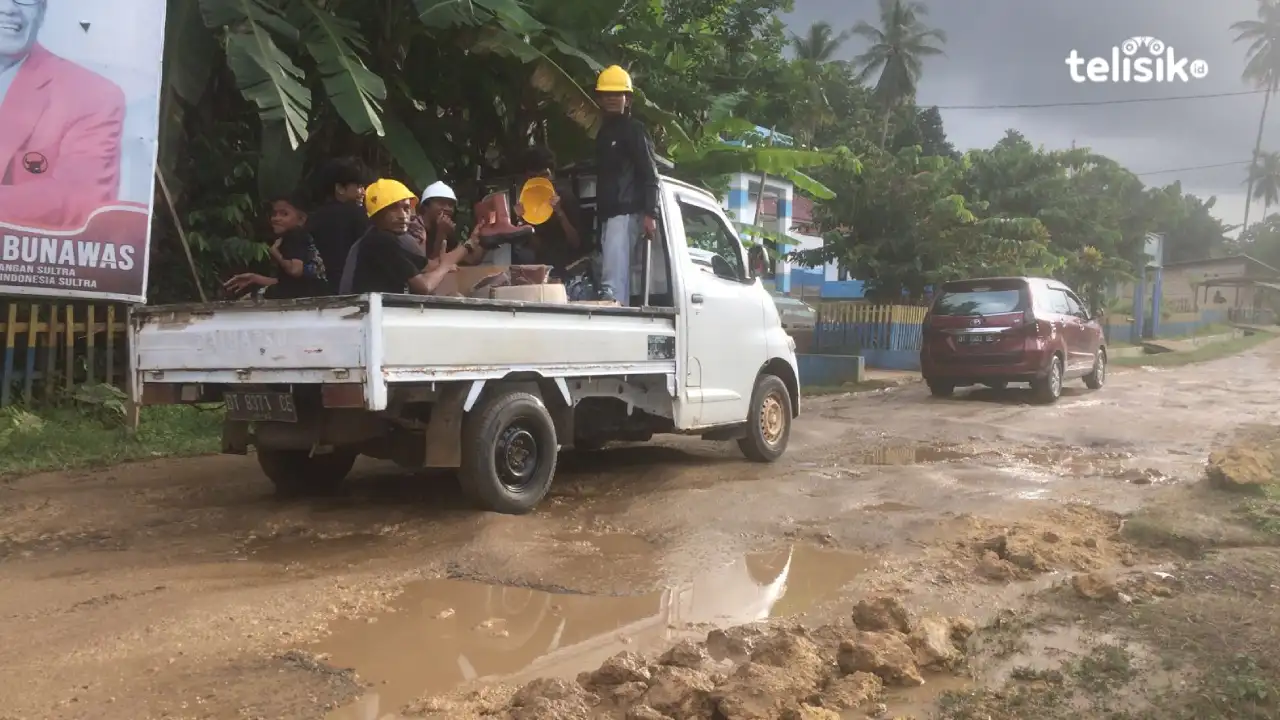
60	127
79	89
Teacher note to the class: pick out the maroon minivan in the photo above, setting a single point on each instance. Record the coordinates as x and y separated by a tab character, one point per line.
997	331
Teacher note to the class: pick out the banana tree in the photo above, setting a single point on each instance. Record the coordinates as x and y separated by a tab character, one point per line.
300	61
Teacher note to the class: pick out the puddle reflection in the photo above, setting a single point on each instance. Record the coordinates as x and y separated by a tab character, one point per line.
447	632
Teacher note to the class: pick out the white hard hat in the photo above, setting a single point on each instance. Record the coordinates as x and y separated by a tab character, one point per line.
438	190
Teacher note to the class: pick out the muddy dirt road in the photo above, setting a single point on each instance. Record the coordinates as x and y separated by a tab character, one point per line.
182	589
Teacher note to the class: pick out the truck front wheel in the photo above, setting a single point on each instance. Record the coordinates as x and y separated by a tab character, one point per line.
298	472
509	453
768	421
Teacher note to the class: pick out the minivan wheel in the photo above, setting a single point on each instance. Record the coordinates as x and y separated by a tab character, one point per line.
1049	388
1096	379
941	389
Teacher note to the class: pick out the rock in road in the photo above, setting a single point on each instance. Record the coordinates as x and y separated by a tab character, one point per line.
181	588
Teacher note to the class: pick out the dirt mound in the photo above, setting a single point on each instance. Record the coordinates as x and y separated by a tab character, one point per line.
1076	537
752	672
1245	465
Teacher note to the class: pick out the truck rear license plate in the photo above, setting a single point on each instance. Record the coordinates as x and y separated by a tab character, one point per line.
261	406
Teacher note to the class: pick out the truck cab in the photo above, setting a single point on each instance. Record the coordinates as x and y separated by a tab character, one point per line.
493	388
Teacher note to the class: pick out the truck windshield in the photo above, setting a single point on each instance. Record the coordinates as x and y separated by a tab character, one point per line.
979	301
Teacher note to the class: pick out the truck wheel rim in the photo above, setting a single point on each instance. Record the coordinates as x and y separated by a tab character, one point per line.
772	421
516	456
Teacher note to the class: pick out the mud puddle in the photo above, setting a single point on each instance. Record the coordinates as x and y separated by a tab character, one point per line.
443	633
889	455
305	548
1043	465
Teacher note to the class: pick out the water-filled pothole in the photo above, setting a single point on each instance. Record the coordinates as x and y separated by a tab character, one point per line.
443	633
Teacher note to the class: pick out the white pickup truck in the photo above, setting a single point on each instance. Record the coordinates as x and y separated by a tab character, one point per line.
492	388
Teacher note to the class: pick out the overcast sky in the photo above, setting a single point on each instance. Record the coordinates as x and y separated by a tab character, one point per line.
1007	52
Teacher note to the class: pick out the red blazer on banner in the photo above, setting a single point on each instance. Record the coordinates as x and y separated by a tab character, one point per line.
60	133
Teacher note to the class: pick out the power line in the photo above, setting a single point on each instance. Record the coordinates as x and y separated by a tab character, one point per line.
1195	167
1086	103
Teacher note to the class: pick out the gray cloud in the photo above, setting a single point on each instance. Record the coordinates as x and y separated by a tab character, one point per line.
1007	52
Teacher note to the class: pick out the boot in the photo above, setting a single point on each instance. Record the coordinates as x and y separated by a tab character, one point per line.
496	209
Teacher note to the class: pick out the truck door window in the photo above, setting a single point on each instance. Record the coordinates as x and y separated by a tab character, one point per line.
710	241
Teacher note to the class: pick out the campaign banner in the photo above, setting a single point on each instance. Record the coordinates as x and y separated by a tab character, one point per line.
79	122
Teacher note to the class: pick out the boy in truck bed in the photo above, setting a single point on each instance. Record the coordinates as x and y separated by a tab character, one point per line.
300	269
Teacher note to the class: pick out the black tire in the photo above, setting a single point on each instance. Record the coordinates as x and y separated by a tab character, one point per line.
297	473
1096	379
517	426
768	421
1048	389
997	385
941	389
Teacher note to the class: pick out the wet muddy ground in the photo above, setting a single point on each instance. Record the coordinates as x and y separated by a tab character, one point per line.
182	589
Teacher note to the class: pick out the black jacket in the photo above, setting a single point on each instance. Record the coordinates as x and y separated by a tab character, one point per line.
336	227
628	177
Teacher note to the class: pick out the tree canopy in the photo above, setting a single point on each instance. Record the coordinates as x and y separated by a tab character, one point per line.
259	92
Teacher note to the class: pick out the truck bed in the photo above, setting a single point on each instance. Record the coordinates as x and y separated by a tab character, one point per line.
398	338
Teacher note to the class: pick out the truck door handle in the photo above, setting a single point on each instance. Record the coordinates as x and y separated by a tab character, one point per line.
696	298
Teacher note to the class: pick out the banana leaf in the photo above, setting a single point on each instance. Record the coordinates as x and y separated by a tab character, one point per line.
336	44
264	73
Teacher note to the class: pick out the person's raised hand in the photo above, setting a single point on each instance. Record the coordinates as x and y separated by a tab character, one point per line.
445	224
243	281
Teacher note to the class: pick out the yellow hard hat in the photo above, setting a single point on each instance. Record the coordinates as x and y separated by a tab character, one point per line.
535	200
614	79
384	193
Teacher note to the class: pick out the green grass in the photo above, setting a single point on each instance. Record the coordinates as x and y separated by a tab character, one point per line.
73	437
1263	512
1203	353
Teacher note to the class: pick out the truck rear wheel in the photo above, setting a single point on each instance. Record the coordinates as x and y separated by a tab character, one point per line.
768	421
298	472
509	453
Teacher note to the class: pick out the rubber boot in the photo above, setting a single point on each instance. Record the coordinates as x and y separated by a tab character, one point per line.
496	209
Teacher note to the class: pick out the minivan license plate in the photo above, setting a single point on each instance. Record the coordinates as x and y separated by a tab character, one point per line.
977	339
260	406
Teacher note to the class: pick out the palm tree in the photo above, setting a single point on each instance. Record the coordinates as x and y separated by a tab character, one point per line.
1262	71
897	50
1264	181
819	45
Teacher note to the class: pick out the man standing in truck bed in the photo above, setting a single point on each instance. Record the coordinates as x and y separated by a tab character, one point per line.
627	187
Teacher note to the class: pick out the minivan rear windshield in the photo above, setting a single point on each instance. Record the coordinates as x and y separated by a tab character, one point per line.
979	301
